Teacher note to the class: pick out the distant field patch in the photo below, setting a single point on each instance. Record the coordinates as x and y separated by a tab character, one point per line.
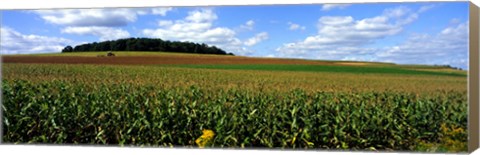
328	68
353	63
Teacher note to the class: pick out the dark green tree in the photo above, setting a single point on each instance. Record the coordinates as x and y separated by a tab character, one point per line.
147	44
67	49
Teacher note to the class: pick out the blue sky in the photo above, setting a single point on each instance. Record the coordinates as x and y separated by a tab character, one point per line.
404	33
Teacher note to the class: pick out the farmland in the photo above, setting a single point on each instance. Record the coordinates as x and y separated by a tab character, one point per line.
165	99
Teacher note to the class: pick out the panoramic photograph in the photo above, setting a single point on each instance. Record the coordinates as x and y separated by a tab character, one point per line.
377	77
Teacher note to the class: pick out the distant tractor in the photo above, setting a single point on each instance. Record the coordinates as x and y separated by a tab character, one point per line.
110	54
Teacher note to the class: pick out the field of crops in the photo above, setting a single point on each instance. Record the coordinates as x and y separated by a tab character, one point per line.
300	106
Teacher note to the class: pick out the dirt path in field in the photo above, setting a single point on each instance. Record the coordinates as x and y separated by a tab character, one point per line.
150	60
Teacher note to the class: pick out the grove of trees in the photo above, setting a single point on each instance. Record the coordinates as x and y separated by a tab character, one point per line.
146	44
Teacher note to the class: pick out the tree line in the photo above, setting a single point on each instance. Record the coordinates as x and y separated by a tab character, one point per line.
146	44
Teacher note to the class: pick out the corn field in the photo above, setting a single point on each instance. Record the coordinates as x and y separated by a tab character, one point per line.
113	106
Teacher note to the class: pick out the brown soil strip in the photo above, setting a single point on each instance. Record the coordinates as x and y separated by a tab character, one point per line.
151	60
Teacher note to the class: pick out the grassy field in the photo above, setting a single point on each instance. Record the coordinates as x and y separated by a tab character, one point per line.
268	103
334	69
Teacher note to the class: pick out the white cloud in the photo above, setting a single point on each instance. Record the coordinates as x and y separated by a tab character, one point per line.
161	11
426	8
342	31
13	42
346	38
293	26
199	16
89	17
248	25
327	7
198	27
165	23
257	39
396	12
335	20
403	14
98	22
450	46
97	17
105	33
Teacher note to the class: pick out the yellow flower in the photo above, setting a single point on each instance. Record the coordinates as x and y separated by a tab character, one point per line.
205	139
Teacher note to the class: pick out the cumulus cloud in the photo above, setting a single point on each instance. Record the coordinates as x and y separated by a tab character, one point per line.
97	17
257	39
346	38
293	26
105	33
13	42
89	17
198	26
327	7
335	33
98	22
450	46
199	16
